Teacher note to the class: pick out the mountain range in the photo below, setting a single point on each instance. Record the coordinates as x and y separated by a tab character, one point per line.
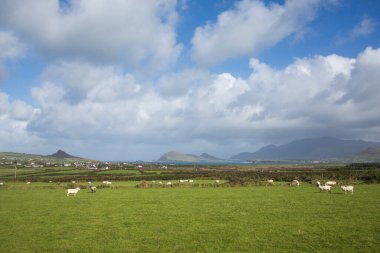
323	148
310	149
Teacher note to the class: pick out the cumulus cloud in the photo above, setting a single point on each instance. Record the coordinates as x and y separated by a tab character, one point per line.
127	32
315	96
249	27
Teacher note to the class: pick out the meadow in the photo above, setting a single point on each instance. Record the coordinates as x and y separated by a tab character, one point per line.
213	219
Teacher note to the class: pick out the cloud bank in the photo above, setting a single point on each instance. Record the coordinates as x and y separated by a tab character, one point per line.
126	32
95	99
320	95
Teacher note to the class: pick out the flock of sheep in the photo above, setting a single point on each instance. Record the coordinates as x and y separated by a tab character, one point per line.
329	184
322	188
73	192
326	187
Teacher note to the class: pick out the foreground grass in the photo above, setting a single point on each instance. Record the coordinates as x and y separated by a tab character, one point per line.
249	219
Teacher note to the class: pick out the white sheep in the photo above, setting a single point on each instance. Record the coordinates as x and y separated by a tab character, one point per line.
107	182
72	191
330	183
28	182
89	182
169	183
270	181
348	188
1	183
73	182
323	187
93	189
295	183
191	180
217	181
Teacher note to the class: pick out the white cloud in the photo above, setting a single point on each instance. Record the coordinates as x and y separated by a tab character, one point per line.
250	27
115	116
364	28
128	32
11	48
14	117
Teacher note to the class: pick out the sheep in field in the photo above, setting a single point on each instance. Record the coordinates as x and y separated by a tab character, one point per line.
331	183
72	191
93	189
270	181
295	183
323	187
348	188
107	182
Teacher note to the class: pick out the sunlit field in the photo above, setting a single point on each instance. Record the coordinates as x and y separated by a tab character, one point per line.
232	219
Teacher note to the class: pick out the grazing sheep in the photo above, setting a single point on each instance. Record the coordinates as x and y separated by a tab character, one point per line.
107	182
93	189
183	180
330	183
169	183
295	183
73	182
348	188
89	182
72	191
322	188
50	181
28	182
1	183
191	180
270	181
217	181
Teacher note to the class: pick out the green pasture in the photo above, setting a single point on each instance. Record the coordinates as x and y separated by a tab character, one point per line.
118	172
241	219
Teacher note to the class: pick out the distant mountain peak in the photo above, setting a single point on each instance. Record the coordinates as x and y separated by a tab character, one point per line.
176	156
62	154
209	157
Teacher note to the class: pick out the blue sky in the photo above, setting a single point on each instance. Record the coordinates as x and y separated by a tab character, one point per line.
127	81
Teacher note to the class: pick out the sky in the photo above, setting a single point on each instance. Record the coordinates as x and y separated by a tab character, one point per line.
130	80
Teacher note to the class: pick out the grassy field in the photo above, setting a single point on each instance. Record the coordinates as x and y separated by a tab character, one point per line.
241	219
